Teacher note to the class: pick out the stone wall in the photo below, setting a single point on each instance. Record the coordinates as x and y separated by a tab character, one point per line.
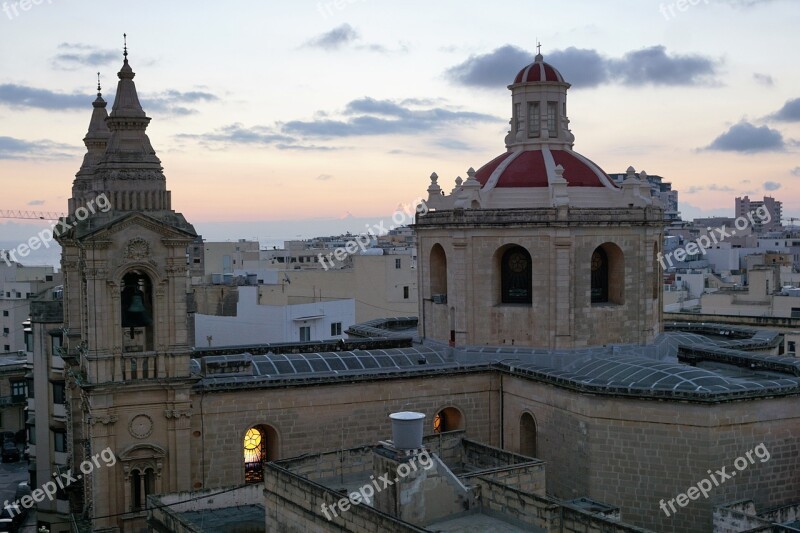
634	453
294	505
312	418
540	513
623	452
561	315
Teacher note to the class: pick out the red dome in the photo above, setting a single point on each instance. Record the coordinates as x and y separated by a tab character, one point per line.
539	71
528	169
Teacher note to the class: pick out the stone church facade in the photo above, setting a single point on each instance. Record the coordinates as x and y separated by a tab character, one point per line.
528	268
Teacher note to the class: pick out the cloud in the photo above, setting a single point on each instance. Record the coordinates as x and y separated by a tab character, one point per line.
171	101
12	148
580	67
588	68
306	147
334	39
795	171
324	177
652	66
771	185
238	134
693	189
20	96
747	3
72	56
453	144
764	79
36	202
360	117
493	70
746	138
719	188
367	116
790	112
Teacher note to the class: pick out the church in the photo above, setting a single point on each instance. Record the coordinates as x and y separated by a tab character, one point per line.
539	332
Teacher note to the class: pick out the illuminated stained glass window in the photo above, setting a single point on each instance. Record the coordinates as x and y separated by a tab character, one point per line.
254	446
438	422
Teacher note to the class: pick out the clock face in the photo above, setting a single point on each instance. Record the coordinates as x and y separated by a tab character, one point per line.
252	439
517	262
597	261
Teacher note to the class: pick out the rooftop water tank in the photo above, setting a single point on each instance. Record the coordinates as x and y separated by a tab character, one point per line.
407	430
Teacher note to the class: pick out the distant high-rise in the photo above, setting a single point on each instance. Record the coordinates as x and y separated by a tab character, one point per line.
774	207
659	189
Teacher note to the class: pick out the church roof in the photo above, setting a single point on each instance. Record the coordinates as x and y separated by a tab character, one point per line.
537	168
539	71
722	370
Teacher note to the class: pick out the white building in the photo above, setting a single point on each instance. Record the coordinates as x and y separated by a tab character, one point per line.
18	285
255	323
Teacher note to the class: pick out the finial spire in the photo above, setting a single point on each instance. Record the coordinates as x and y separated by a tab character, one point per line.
538	48
125	48
98	84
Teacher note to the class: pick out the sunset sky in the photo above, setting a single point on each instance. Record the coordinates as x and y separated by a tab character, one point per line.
266	113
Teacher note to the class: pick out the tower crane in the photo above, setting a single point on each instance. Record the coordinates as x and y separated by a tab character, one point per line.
30	215
791	220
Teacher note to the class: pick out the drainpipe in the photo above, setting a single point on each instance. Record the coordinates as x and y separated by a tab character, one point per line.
502	412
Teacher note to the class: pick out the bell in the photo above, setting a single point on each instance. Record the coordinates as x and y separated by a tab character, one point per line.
136	314
137	304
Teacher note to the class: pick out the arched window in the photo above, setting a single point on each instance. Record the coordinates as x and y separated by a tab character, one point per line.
438	274
136	489
448	419
136	309
516	276
259	447
527	435
143	484
607	274
599	276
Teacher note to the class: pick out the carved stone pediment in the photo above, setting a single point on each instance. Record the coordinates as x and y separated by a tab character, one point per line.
137	452
137	249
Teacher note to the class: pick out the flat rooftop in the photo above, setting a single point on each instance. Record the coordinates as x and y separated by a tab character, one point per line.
240	519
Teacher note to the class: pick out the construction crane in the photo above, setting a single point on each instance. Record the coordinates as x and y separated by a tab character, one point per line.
791	220
30	215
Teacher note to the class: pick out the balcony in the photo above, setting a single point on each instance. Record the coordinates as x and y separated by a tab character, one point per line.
16	399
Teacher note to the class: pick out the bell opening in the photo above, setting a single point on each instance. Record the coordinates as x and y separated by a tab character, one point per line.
136	304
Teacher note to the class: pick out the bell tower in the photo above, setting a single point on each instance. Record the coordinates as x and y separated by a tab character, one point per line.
125	294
